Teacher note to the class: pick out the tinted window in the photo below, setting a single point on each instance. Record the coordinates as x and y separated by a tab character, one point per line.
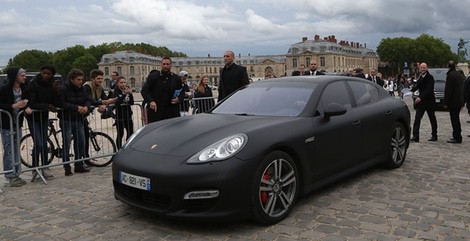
335	92
363	93
3	80
264	100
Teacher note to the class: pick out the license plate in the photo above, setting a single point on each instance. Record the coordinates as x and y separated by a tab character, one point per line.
134	181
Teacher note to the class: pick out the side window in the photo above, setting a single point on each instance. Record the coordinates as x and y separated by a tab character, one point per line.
364	93
335	92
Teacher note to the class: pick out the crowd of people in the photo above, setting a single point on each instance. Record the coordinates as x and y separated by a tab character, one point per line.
165	95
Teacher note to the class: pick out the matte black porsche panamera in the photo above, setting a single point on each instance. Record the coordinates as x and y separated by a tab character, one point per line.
262	148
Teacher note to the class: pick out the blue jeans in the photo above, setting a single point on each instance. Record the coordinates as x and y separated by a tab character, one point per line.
10	163
75	128
39	132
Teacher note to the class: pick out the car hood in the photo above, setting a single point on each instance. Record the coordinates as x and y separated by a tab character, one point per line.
185	136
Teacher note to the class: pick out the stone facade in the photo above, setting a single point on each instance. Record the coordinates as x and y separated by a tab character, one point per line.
331	57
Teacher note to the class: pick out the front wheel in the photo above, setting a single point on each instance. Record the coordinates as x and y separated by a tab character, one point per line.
101	148
275	188
398	146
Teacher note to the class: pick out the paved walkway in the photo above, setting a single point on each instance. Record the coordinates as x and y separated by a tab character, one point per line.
427	199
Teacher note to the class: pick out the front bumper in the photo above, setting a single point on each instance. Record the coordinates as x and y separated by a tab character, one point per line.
171	179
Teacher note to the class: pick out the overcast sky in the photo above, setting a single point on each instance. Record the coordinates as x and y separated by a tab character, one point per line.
198	28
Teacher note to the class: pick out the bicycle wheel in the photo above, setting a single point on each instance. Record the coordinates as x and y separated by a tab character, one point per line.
101	146
26	150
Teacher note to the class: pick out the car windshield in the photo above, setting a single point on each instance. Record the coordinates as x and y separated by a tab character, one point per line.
439	75
264	100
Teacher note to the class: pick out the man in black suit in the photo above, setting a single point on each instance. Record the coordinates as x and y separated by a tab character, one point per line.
454	100
232	76
313	69
374	78
162	93
466	91
425	102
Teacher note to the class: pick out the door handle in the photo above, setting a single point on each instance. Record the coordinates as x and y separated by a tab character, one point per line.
357	123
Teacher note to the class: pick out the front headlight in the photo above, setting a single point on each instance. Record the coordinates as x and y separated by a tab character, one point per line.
133	136
220	150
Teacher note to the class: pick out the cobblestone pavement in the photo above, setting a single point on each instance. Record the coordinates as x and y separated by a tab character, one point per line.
427	199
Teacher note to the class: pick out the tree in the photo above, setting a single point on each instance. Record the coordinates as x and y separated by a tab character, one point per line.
64	59
425	48
31	60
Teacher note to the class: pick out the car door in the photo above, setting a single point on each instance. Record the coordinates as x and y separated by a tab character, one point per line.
375	118
335	142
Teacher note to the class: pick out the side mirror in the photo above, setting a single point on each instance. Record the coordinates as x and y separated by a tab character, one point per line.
334	109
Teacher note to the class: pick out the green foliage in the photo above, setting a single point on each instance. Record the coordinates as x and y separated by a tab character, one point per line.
425	48
82	58
31	60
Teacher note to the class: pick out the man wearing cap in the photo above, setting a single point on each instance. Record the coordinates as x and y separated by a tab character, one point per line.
163	93
232	76
12	100
184	108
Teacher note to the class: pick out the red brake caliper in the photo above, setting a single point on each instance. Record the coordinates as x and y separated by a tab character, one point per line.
264	194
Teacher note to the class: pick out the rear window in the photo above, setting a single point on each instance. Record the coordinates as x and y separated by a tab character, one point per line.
3	80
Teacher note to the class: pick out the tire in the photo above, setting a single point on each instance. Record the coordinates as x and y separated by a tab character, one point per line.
274	190
398	146
100	155
26	150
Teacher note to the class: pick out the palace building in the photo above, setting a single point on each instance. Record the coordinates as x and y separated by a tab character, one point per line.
331	57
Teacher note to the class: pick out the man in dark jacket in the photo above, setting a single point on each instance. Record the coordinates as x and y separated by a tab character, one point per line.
41	101
454	100
162	92
313	69
12	101
374	78
75	105
466	91
425	102
232	76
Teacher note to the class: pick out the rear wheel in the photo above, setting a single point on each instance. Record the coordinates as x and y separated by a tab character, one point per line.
398	146
101	148
275	188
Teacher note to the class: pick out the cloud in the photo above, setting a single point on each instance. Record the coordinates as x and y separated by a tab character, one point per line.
212	26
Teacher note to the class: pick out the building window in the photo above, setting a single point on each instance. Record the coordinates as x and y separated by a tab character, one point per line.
132	70
307	61
106	70
322	61
294	63
119	70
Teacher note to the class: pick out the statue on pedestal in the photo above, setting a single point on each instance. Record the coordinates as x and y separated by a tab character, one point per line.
462	51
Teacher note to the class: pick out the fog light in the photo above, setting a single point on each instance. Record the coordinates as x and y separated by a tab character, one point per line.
206	194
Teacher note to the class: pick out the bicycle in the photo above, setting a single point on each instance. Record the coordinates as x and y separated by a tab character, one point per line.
98	143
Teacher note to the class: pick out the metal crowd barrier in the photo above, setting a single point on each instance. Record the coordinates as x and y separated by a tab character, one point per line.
107	127
100	150
10	132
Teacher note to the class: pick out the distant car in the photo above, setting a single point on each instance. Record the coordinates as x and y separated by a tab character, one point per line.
440	75
3	79
261	148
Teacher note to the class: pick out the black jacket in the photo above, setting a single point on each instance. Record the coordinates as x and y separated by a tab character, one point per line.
466	92
7	99
123	105
232	78
161	88
453	93
70	99
41	94
425	85
378	80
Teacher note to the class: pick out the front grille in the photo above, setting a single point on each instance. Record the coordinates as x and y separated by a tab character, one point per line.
439	95
151	200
